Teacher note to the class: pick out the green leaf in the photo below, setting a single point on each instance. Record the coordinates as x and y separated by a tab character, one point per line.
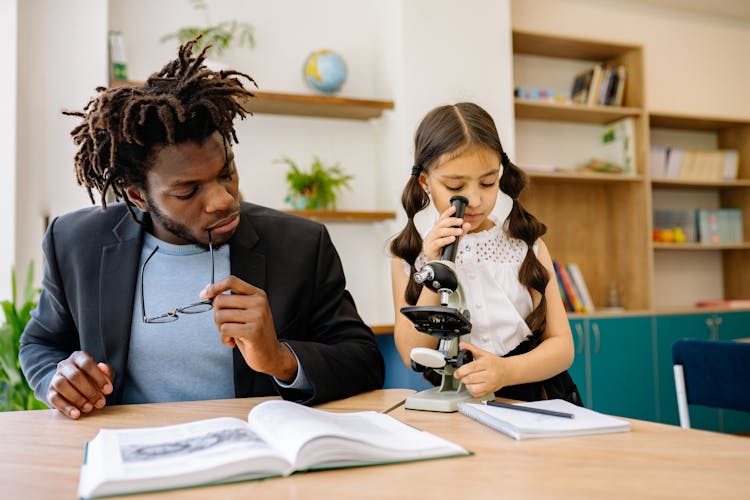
15	393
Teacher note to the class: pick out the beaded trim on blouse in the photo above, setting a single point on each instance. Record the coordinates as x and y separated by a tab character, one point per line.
493	245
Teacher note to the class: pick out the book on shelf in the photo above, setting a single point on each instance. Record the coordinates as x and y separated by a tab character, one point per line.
719	226
579	284
695	164
600	85
657	161
118	63
527	425
278	439
617	148
728	303
565	294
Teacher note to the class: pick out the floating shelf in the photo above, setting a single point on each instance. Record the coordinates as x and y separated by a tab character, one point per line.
578	113
689	122
321	106
276	103
343	216
575	177
681	183
700	246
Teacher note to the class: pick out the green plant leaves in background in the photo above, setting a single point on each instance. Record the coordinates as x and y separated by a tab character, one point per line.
220	36
317	188
15	393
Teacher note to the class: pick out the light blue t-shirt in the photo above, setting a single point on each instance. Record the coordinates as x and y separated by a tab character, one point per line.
183	360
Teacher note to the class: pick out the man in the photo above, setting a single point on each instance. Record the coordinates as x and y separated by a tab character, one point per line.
275	293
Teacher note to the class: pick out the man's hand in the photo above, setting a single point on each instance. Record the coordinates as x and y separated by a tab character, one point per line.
80	385
244	320
487	374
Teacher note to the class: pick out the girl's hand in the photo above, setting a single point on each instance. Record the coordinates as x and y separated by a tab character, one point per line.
487	374
445	232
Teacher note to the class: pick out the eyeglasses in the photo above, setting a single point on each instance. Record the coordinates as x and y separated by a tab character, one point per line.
173	315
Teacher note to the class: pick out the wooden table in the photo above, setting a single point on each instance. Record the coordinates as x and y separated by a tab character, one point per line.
41	454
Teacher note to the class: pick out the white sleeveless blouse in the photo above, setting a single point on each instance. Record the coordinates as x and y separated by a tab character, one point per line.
487	263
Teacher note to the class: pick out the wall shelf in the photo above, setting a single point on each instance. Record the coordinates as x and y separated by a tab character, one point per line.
578	113
700	246
576	177
276	103
682	184
321	106
343	216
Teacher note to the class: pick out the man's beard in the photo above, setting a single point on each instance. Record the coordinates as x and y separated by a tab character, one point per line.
179	230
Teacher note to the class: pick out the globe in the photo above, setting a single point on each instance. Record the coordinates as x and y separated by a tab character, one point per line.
325	71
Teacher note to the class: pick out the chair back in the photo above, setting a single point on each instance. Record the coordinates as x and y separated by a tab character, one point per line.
713	373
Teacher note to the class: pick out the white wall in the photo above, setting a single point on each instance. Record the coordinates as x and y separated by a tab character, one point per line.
694	63
395	49
61	60
8	89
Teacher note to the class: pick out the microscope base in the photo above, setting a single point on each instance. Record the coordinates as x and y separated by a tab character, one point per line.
443	401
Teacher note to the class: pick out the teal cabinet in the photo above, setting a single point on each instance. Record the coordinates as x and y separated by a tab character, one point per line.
578	369
732	325
614	366
622	366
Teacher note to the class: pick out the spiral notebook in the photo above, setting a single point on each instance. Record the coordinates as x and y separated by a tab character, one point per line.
525	425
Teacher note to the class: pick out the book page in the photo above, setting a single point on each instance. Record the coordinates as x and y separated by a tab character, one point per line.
219	449
317	438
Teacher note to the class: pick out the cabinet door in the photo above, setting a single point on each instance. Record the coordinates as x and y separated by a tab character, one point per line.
732	326
622	367
669	329
578	369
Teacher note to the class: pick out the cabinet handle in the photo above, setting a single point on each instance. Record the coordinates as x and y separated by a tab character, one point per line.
579	337
713	326
597	337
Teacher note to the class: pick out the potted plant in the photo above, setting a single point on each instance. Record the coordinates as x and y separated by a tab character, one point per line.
15	393
315	189
220	36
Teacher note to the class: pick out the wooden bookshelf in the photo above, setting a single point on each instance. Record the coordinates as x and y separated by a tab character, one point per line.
343	216
728	133
321	106
602	222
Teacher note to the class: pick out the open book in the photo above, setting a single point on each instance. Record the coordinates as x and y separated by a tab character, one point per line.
279	438
523	424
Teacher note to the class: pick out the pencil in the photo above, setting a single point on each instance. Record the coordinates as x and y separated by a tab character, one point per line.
530	409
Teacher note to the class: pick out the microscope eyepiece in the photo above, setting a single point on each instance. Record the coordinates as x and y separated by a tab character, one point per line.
449	252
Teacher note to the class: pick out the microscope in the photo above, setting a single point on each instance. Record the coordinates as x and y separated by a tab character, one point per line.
449	322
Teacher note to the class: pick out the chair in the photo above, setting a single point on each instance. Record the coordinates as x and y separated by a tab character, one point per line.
711	373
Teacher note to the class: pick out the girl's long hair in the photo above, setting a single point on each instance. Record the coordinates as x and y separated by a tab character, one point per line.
451	130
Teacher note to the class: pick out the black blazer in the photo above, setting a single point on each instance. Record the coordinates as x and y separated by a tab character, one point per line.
92	258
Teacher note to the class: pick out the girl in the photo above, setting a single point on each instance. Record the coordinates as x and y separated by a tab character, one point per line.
520	339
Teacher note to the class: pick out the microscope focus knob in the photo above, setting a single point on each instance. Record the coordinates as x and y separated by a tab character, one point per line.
464	357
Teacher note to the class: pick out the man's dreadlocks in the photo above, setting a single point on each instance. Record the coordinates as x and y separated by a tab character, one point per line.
184	101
